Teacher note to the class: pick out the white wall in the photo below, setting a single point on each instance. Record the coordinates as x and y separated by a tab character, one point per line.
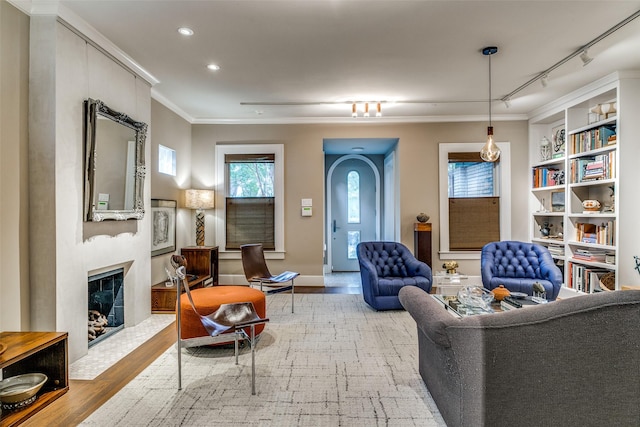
65	250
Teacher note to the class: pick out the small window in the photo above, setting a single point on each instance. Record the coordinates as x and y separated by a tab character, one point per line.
353	197
166	160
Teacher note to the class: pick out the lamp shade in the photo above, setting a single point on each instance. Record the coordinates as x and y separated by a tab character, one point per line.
199	199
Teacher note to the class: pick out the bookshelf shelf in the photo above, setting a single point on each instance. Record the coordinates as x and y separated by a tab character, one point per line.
598	166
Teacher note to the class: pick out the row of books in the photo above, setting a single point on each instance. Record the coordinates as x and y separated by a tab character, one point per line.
556	250
593	139
602	234
592	255
545	177
592	168
584	278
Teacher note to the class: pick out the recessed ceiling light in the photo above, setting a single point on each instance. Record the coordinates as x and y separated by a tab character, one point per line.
185	31
213	67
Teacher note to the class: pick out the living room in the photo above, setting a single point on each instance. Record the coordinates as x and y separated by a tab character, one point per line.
49	250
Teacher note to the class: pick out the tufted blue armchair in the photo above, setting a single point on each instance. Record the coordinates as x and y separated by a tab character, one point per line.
517	265
385	267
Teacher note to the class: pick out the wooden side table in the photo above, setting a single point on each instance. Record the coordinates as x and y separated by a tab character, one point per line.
202	261
422	242
35	352
163	298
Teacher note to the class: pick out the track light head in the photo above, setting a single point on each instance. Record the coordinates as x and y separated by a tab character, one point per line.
544	80
584	56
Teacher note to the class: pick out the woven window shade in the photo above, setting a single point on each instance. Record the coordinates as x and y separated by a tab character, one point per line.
473	222
250	220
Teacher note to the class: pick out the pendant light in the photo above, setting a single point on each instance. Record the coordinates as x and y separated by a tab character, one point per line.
490	152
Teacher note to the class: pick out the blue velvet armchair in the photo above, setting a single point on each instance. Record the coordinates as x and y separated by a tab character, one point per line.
385	267
518	265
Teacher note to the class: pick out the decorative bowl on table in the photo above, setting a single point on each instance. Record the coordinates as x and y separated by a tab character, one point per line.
3	347
475	297
20	391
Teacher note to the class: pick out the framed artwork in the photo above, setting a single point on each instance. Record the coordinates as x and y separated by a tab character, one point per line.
557	201
558	141
163	226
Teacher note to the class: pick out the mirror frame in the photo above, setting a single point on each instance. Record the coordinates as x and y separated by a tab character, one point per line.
93	108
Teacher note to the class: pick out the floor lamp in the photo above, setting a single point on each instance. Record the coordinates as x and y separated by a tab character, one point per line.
199	200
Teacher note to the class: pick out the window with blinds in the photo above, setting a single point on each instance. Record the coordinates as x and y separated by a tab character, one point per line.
474	205
250	200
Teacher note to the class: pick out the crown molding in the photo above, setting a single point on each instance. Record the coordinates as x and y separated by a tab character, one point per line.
359	120
170	105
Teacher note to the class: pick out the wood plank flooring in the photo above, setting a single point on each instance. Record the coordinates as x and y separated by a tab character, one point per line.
85	396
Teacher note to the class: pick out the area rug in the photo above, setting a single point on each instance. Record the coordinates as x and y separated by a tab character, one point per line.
335	362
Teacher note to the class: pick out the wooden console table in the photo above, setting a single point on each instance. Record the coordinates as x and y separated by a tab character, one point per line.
35	352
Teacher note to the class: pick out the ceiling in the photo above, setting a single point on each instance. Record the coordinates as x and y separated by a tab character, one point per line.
305	61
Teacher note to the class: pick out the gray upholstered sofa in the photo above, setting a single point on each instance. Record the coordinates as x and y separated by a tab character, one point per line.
573	362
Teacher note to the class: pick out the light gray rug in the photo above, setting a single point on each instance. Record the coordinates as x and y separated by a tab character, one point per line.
335	362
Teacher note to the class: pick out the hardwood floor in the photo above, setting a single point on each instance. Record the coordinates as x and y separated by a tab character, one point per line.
85	396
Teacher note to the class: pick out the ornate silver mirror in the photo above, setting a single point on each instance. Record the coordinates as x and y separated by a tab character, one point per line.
114	164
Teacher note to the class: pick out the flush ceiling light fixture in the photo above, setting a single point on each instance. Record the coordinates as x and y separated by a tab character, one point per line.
185	31
213	67
490	152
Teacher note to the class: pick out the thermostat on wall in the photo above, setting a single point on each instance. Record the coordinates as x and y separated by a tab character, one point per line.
306	211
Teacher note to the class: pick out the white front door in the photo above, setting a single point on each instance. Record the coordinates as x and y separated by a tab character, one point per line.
353	211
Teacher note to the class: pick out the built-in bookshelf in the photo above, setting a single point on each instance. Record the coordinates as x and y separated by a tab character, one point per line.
584	195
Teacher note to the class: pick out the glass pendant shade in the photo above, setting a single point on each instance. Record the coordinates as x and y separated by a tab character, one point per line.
490	151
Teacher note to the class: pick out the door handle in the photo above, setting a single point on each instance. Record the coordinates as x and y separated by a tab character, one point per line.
334	226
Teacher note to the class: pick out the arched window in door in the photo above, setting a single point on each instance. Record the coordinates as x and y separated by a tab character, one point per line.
353	212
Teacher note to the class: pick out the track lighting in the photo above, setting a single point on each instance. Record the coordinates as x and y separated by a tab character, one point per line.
365	110
584	56
544	80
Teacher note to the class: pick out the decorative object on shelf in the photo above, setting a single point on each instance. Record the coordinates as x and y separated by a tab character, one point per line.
558	140
610	258
490	152
545	149
608	282
422	217
591	206
163	226
558	177
500	292
637	260
450	266
545	230
557	201
606	109
612	199
20	391
199	200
